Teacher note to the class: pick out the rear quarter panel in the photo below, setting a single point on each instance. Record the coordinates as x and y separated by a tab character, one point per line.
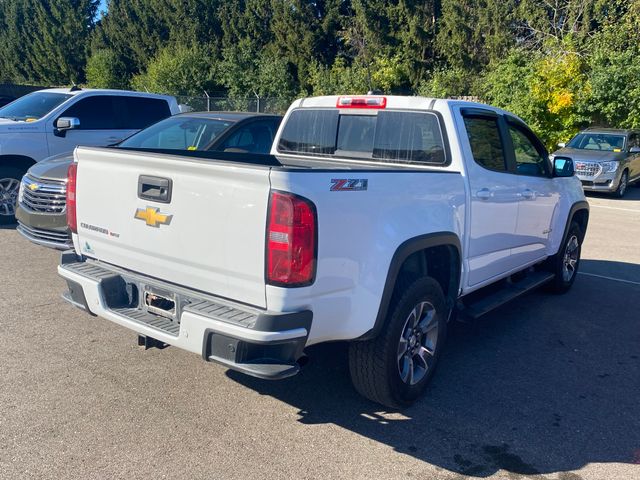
358	233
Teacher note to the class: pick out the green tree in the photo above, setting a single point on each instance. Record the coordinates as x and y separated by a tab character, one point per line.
474	33
136	30
44	41
178	70
106	70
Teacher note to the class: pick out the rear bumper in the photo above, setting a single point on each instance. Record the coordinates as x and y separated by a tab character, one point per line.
256	342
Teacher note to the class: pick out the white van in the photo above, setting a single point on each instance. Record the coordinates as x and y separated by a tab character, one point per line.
54	121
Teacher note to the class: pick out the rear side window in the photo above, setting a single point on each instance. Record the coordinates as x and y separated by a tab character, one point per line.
140	112
486	145
388	136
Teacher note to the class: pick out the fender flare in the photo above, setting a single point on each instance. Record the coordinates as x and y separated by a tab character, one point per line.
403	252
576	207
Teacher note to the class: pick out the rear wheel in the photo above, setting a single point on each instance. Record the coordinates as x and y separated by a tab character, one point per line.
9	186
622	185
394	368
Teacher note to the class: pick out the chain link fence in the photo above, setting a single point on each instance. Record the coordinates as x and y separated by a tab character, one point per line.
230	104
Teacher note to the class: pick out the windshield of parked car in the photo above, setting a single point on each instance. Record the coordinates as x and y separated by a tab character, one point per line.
179	133
33	106
597	141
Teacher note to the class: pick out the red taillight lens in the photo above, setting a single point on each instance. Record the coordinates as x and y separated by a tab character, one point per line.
72	219
361	102
291	240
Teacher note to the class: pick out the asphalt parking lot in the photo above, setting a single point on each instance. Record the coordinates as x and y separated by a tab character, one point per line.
547	387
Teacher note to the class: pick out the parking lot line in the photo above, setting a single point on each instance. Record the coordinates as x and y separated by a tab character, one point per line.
634	210
610	278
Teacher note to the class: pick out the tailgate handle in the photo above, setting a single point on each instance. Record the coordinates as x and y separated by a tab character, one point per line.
157	189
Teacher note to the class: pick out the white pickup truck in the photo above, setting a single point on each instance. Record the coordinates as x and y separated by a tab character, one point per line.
372	221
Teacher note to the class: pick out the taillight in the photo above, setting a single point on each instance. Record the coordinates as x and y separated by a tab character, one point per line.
291	240
361	102
72	219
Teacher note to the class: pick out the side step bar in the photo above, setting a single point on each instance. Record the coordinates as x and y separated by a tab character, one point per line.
509	292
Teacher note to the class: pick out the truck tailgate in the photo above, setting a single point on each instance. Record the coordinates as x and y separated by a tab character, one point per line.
209	236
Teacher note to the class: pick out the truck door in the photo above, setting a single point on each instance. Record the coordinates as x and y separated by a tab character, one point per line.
99	125
493	195
538	195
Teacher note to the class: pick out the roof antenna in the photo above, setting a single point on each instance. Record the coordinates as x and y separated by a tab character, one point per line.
74	88
375	91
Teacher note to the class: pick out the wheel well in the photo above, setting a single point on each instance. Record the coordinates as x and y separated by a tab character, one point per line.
581	217
19	161
442	263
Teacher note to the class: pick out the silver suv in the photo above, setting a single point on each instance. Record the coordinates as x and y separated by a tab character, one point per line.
605	159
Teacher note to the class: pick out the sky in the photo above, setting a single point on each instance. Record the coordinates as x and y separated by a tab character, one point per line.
103	6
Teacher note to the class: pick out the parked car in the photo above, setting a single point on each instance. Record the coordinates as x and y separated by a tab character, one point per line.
53	121
605	159
41	208
372	219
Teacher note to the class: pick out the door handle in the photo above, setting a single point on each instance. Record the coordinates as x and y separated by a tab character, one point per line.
484	194
156	189
528	194
114	139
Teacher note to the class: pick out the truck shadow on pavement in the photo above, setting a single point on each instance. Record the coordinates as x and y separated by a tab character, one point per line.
544	385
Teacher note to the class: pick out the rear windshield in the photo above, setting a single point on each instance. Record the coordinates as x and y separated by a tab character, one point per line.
388	136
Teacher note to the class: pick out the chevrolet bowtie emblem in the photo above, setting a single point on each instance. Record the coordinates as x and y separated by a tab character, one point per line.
153	217
33	187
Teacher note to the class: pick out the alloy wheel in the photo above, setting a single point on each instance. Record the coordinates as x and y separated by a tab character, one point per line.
417	345
9	188
570	259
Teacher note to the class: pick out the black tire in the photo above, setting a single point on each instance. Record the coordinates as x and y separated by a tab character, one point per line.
622	185
376	364
565	273
10	178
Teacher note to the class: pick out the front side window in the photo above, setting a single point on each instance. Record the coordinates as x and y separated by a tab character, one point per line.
530	160
486	145
388	136
179	133
33	106
95	113
598	141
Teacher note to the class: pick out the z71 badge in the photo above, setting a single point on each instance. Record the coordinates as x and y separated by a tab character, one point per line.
153	217
348	185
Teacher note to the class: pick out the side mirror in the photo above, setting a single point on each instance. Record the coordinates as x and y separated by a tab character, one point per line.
563	167
634	150
562	145
65	123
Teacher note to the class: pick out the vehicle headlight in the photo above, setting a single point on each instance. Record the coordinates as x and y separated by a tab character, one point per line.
608	167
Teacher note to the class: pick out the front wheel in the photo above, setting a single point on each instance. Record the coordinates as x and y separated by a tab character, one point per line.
566	262
394	368
9	186
622	185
